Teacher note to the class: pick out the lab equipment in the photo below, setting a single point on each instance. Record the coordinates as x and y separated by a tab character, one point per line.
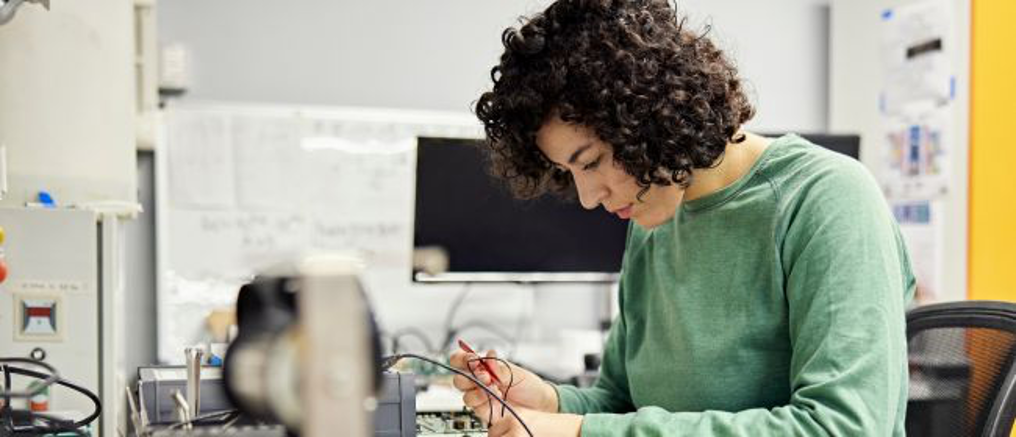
54	260
19	421
486	365
449	423
156	385
393	417
235	431
307	353
194	379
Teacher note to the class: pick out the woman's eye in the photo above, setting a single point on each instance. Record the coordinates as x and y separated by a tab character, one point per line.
593	164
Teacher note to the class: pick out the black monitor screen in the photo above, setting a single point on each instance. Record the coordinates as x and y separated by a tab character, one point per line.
488	235
847	144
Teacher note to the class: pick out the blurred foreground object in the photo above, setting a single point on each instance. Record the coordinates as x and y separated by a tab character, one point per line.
9	7
307	352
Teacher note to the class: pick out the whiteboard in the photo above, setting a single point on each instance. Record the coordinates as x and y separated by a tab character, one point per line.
241	187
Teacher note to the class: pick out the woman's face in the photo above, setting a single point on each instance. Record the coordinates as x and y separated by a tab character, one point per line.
599	180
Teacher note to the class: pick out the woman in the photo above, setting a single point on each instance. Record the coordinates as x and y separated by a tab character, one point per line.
764	280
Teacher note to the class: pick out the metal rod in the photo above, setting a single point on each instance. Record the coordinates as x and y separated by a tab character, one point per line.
194	356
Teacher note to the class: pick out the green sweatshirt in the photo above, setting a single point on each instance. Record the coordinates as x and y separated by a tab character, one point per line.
773	307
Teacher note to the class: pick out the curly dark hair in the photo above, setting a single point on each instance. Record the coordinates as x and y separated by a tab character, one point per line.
665	98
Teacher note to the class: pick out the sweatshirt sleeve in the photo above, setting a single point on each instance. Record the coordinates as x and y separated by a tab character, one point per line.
846	279
610	392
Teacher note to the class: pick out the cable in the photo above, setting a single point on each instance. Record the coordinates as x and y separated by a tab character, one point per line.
47	380
201	418
486	326
88	393
413	332
62	426
392	360
51	424
511	375
54	424
511	383
230	422
490	401
449	327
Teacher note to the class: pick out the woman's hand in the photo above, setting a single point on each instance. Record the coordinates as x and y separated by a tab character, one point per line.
540	424
527	390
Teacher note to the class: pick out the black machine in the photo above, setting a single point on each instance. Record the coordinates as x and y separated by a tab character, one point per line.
267	317
847	144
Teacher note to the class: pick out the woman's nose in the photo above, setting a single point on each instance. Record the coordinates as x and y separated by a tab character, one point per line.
591	193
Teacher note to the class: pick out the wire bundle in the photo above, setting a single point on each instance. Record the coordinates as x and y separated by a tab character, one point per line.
41	423
511	383
388	362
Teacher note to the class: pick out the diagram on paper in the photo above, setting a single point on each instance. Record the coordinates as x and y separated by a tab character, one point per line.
918	153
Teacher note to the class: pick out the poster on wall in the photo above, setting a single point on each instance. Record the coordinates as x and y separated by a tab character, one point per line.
916	103
921	224
916	51
921	138
918	162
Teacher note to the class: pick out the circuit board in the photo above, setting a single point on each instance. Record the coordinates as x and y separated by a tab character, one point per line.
449	424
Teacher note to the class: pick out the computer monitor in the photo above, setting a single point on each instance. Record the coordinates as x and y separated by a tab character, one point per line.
489	236
847	144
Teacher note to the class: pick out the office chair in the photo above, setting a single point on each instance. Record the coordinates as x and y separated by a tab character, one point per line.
962	373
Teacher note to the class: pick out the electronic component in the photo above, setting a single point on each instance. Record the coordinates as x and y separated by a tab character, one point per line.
390	361
452	423
38	317
157	384
396	406
218	431
394	416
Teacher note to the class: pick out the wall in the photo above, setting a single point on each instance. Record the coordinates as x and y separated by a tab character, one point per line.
854	86
437	55
992	187
67	102
782	50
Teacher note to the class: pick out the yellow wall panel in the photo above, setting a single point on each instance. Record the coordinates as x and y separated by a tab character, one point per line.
993	152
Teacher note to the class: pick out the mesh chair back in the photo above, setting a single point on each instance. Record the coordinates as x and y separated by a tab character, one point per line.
962	373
